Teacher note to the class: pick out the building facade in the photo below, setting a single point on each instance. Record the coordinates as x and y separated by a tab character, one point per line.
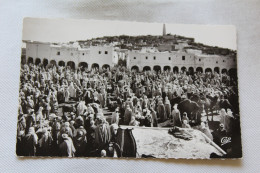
176	61
70	55
149	58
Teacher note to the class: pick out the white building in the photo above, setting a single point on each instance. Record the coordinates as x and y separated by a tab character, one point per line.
70	54
148	58
189	60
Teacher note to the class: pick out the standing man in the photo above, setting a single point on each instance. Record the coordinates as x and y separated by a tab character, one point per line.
127	115
176	116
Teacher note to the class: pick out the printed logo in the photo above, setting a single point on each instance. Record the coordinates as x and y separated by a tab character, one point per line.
225	140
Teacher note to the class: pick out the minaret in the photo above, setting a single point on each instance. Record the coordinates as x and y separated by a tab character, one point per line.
164	30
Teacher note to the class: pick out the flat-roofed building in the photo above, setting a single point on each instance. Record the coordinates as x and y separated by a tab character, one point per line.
188	60
71	55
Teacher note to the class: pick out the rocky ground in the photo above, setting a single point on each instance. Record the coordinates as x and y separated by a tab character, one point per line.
159	143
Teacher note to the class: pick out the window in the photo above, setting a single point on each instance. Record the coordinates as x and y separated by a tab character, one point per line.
154	57
234	60
58	53
105	52
146	57
83	54
183	58
134	57
169	58
199	59
216	61
71	54
99	52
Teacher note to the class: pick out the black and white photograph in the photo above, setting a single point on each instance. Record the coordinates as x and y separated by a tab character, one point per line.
117	89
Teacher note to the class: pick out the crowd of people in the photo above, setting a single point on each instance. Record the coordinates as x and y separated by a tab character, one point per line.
46	128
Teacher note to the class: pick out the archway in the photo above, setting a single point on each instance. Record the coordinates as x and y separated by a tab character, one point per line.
216	69
61	63
30	60
208	70
53	62
106	66
95	66
199	69
176	69
147	68
183	69
83	65
167	68
157	68
37	61
71	64
224	70
135	68
191	70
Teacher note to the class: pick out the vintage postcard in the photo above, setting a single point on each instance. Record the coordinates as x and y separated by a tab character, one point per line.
92	88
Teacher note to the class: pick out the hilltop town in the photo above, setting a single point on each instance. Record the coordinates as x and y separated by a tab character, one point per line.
161	42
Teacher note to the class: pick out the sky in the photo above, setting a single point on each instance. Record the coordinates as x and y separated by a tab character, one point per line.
65	30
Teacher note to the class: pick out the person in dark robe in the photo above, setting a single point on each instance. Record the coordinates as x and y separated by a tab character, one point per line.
79	121
145	102
113	150
129	102
23	105
148	120
60	96
87	96
80	142
55	135
45	143
19	142
127	115
54	105
161	111
30	120
91	147
30	103
30	141
87	120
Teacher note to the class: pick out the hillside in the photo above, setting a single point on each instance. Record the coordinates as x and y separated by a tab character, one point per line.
162	43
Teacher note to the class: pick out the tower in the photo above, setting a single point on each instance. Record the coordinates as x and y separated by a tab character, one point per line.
164	30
